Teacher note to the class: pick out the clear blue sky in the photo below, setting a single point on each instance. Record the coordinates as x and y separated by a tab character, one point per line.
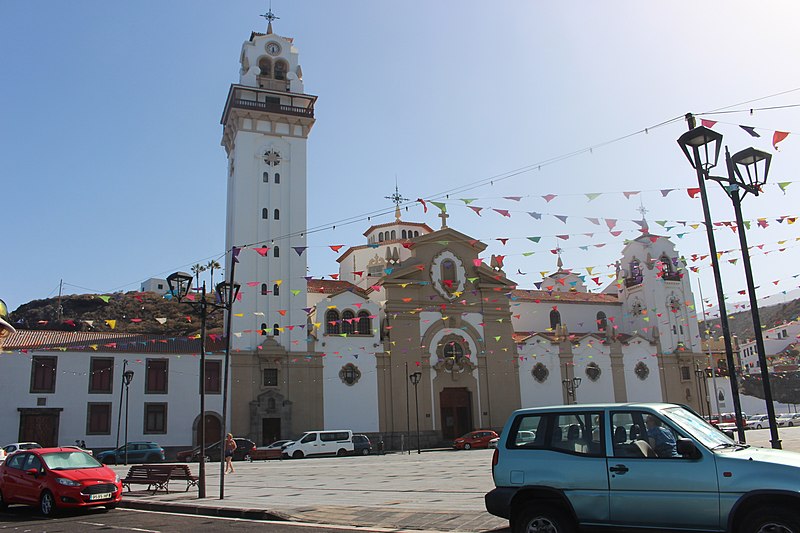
112	170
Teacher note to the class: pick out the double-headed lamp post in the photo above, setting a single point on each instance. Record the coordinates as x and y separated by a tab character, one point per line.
747	171
415	377
179	285
572	386
127	377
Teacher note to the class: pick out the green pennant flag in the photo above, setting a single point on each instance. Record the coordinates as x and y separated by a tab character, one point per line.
468	201
534	239
592	195
526	254
296	291
661	223
783	185
441	205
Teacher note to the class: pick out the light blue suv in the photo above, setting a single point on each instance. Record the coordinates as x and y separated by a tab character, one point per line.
639	466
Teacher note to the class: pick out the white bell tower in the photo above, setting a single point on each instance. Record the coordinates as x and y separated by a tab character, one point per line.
266	123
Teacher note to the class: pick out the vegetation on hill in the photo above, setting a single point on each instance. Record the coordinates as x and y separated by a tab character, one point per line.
741	323
132	312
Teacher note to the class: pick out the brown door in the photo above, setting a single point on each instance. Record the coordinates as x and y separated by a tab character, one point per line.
41	428
456	411
270	430
213	430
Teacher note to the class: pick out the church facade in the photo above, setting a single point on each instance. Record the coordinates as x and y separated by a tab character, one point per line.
418	328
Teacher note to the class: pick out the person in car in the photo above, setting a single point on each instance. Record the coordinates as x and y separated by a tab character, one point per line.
660	438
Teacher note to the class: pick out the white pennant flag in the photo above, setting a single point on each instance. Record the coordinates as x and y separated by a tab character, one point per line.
161	320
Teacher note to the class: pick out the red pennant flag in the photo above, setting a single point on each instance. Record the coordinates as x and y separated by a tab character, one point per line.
504	241
477	262
548	197
476	209
282	312
778	136
563	237
693	191
596	280
358	273
262	251
611	222
503	212
707	123
424	205
334	276
337	247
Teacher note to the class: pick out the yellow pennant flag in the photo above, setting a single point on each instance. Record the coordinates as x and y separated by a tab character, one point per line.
278	282
111	323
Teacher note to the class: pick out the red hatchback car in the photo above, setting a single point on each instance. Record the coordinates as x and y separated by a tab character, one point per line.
475	439
57	478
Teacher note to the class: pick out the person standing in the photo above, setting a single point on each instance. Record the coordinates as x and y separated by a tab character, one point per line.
230	447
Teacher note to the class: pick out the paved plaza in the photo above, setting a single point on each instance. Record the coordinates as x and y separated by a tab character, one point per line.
437	490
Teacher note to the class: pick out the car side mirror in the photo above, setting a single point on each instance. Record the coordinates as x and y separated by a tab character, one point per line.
687	449
32	472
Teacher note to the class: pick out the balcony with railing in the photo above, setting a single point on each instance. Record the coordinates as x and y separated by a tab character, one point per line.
271	101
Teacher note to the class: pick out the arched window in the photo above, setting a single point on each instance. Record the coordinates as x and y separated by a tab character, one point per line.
403	234
263	329
276	252
265	66
266	177
276	290
380	237
264	289
416	234
277	177
265	213
394	235
276	214
275	330
602	322
666	265
281	68
364	323
448	273
555	319
332	322
348	325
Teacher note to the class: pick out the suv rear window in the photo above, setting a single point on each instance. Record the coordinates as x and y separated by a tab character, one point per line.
570	432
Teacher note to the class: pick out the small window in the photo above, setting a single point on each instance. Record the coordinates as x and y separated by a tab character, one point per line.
160	286
380	237
264	290
265	67
348	319
555	319
213	377
263	328
403	234
364	323
276	290
270	377
275	330
43	374
528	431
332	322
155	379
276	252
281	68
685	373
311	437
98	419
602	321
416	234
266	177
101	374
394	235
155	418
265	213
276	214
578	433
277	178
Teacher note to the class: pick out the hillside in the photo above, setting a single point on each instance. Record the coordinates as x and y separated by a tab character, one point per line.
741	323
132	312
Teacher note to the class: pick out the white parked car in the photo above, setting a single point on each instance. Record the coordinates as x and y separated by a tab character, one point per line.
493	442
336	442
757	422
16	446
788	420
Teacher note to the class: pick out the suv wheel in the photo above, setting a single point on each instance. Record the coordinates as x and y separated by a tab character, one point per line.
543	519
770	519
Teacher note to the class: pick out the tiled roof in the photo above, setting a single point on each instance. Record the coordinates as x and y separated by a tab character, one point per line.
94	341
522	336
334	286
529	295
362	246
396	223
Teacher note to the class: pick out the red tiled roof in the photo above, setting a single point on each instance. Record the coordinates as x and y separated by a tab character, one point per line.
334	286
522	336
91	341
362	246
529	295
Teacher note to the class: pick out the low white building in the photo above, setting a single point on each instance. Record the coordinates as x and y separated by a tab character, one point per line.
776	340
156	285
62	387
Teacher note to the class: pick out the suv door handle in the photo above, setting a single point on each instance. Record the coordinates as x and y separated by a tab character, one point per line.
619	469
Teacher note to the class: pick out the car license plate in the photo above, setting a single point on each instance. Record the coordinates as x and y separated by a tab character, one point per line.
101	496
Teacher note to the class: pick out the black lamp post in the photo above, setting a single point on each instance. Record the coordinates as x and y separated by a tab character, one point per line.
701	146
227	293
572	386
127	377
414	378
179	285
700	376
747	172
119	409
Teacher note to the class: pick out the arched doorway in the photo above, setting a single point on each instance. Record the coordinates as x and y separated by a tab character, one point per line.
213	429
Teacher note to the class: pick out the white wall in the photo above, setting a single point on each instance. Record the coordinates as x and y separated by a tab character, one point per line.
578	317
532	393
591	350
648	390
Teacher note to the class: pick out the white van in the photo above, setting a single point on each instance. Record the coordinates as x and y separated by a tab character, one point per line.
330	442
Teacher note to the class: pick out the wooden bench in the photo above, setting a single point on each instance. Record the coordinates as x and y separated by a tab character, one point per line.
182	473
156	477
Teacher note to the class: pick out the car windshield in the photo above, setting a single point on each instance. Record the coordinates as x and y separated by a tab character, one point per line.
69	460
698	428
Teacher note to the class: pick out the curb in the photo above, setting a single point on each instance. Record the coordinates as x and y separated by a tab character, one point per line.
202	510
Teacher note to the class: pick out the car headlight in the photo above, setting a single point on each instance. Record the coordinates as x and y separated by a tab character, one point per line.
67	482
116	479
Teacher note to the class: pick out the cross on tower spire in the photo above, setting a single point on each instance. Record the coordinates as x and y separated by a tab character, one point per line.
396	199
270	16
644	226
560	262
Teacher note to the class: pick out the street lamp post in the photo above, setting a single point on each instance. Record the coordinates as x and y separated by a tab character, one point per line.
702	391
701	146
414	378
127	377
572	386
119	410
227	292
755	164
179	285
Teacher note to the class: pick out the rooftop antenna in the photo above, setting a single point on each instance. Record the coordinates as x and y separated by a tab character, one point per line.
397	199
270	16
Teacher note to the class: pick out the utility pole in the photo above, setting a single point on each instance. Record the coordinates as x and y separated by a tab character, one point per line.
59	313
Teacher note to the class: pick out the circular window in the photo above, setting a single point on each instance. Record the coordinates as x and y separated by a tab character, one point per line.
641	371
349	374
540	372
593	371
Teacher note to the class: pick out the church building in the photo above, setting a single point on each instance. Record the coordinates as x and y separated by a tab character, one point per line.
416	321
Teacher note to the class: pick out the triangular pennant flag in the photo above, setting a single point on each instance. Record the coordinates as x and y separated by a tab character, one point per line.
628	194
751	130
235	253
562	218
295	292
593	195
468	201
595	221
514	198
611	222
537	216
707	123
104	298
476	209
299	249
548	197
783	185
424	207
336	247
534	239
262	251
665	192
778	136
693	191
503	212
441	205
111	323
